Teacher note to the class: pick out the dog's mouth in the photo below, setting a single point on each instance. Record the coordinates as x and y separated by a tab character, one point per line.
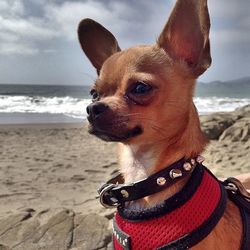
120	136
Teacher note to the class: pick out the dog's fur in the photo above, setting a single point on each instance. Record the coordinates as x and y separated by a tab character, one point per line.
161	126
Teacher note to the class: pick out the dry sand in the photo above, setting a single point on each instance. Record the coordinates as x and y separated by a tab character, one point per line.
62	166
45	167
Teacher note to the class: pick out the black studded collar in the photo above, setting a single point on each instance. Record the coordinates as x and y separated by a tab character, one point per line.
115	193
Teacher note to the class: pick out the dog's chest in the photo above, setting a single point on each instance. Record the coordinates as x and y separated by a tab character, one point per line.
135	165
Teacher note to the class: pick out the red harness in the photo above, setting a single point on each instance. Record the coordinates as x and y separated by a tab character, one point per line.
159	231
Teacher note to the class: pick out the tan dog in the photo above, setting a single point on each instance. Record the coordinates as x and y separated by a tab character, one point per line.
143	99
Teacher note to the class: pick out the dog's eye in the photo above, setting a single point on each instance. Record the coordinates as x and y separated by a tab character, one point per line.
140	89
94	94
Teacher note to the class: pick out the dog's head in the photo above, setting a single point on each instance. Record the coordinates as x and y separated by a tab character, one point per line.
144	93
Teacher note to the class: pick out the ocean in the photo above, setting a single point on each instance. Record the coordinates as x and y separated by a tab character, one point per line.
21	104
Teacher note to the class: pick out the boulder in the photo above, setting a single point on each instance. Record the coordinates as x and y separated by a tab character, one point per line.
239	131
2	247
91	232
213	125
55	229
243	111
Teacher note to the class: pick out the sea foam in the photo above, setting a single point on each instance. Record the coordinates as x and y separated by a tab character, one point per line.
76	107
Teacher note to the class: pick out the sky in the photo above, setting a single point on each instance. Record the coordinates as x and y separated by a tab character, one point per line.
39	45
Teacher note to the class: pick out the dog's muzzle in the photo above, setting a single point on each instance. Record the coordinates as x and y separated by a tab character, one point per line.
96	110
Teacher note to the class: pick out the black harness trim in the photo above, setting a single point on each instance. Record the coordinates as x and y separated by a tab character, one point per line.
123	238
244	206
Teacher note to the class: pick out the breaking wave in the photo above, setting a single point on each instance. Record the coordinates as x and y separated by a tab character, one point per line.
76	107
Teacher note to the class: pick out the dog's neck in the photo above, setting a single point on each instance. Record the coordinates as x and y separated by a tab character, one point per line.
140	161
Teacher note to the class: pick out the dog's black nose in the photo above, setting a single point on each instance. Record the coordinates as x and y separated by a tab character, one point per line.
96	109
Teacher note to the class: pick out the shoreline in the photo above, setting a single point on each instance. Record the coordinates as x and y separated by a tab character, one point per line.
66	125
38	119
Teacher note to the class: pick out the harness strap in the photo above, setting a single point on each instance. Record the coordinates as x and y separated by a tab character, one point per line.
246	230
244	206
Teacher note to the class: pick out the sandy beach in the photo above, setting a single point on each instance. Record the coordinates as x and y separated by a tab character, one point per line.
51	166
58	165
44	166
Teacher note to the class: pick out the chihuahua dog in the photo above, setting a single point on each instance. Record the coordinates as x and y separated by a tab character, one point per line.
143	100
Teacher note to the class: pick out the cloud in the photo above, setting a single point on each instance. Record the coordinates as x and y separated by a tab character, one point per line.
11	8
131	21
41	28
229	38
19	33
230	22
23	34
230	10
32	28
17	49
59	20
66	16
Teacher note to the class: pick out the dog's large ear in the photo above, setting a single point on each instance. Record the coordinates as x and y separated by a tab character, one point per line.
97	42
185	36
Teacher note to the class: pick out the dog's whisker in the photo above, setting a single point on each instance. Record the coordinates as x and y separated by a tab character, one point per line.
132	114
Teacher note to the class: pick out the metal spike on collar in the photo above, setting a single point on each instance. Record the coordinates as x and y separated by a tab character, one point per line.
193	161
200	159
161	181
187	166
175	173
124	193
